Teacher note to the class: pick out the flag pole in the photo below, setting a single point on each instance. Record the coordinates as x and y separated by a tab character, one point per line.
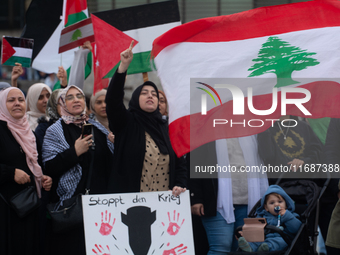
145	76
61	64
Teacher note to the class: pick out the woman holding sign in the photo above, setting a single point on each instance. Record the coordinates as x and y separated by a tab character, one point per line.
144	159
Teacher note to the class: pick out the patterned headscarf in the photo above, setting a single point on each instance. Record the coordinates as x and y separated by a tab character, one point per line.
65	113
52	105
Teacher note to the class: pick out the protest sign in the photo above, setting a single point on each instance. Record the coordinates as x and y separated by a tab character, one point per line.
138	223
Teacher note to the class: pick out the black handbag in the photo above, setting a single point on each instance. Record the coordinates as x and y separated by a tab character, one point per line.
70	215
24	202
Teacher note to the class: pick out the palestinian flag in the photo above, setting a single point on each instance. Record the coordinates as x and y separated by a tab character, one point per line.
16	50
282	47
75	35
107	38
320	127
143	23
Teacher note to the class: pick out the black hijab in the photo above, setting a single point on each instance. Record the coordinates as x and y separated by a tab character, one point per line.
152	122
129	127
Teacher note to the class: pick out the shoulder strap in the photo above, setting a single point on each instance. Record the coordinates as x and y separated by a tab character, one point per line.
92	150
4	199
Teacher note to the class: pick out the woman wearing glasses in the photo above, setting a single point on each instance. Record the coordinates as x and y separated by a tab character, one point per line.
67	158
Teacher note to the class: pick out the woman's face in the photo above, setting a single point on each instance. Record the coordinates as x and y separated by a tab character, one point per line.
162	104
75	101
42	100
100	106
16	104
148	100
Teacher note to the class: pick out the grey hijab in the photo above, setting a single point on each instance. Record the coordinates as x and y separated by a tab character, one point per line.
4	85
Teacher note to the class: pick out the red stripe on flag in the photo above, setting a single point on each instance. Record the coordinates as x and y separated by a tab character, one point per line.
264	21
76	25
179	132
75	44
191	131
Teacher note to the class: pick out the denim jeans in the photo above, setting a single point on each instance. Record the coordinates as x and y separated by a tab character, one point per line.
241	212
221	234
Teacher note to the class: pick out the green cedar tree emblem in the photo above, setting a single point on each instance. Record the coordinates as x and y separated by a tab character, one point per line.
279	57
76	35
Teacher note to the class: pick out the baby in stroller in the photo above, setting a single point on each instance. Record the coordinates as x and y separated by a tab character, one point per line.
278	209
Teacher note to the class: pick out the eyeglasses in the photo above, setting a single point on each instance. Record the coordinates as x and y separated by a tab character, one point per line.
71	97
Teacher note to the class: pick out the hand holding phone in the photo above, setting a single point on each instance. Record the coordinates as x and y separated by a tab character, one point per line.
82	145
86	130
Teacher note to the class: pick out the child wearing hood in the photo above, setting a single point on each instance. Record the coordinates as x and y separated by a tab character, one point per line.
274	196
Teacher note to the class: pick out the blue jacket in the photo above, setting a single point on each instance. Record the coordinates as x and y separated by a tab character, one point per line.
288	220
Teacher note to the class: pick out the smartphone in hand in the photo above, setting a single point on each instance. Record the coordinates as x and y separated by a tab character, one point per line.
86	130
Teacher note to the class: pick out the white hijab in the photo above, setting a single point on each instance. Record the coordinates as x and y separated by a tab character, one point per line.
32	98
257	181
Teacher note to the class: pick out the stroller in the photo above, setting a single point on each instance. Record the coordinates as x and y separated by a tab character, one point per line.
306	195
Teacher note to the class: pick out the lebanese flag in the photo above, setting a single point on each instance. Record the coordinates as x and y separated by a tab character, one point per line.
143	23
75	35
74	11
99	83
16	50
285	46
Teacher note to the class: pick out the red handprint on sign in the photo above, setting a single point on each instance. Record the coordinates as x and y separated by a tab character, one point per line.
173	226
105	227
101	250
176	250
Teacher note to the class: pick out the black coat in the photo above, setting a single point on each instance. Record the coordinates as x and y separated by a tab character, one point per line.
204	190
130	144
43	125
332	156
17	236
306	145
60	164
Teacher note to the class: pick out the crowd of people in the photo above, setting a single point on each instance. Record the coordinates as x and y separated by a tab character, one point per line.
43	146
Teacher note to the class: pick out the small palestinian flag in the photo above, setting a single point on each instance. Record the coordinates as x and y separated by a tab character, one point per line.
16	50
75	35
143	23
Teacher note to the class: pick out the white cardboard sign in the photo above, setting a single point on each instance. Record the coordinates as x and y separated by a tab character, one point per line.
147	223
